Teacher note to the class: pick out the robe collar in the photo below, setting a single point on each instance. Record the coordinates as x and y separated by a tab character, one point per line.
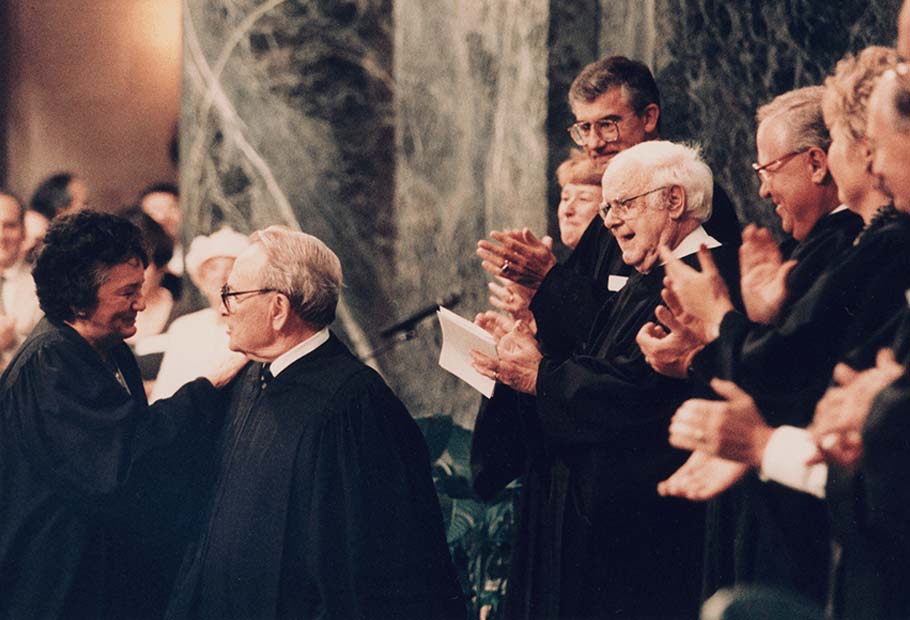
298	351
693	241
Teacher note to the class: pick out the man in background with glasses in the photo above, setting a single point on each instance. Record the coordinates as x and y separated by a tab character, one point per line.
616	104
323	504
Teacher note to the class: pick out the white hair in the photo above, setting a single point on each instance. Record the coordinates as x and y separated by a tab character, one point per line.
662	163
303	268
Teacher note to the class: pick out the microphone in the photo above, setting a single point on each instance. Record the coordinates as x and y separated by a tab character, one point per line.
407	324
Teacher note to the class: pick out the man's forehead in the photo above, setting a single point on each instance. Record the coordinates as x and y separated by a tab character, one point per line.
613	102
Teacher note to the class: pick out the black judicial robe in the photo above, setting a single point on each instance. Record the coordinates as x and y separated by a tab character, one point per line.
870	505
571	294
594	540
323	507
730	515
782	535
84	531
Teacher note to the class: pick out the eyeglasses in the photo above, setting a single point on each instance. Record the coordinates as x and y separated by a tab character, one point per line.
227	294
764	170
607	129
622	208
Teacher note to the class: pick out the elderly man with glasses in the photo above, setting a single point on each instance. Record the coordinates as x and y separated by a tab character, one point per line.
595	539
323	504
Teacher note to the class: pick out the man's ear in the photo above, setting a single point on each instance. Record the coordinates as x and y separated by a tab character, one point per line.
676	201
818	163
649	117
280	311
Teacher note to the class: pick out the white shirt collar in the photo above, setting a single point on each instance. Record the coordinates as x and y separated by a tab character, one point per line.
838	209
298	351
693	241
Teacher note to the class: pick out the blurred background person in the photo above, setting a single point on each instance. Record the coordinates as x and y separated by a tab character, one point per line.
161	202
19	310
62	192
193	340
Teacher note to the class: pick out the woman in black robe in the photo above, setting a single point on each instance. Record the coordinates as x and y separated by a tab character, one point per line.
83	527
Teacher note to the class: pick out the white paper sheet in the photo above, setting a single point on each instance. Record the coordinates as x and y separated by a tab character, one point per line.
459	337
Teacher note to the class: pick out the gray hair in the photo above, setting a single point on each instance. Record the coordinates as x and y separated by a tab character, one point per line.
803	110
665	163
303	268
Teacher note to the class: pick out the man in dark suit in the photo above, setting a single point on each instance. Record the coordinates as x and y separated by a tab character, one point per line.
323	505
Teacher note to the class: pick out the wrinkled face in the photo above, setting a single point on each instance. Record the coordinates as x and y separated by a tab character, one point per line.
120	299
248	322
213	274
164	208
610	105
848	165
889	141
645	224
578	205
35	230
11	231
789	185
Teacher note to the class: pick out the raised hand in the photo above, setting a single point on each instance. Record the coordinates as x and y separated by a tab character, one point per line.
732	428
841	413
517	255
763	275
495	323
701	294
702	477
517	363
513	298
670	352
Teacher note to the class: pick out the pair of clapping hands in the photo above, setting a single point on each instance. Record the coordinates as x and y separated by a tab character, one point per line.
728	437
518	261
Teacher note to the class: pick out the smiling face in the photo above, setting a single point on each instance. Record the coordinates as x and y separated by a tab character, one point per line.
793	185
578	205
120	299
614	106
643	227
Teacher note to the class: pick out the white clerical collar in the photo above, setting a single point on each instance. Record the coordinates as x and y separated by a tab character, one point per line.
298	351
838	209
693	241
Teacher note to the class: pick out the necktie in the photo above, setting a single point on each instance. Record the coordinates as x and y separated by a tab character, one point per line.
265	377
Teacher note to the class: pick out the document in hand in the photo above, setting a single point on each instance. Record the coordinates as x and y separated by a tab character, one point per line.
459	337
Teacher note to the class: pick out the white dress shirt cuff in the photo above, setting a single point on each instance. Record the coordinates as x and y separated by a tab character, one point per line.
784	461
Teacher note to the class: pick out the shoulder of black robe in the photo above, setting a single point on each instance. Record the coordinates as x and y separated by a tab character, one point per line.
324	506
723	224
786	367
71	441
505	437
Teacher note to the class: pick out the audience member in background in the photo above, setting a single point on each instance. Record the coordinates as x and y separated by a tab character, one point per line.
147	343
19	311
90	482
161	202
35	225
62	192
193	340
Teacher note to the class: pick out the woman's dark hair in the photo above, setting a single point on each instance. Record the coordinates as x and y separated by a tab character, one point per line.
53	195
78	251
158	244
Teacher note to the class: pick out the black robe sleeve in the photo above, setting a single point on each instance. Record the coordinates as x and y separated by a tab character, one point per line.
368	525
787	367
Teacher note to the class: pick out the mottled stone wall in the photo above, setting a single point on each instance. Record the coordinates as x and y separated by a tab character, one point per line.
716	61
288	119
471	148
